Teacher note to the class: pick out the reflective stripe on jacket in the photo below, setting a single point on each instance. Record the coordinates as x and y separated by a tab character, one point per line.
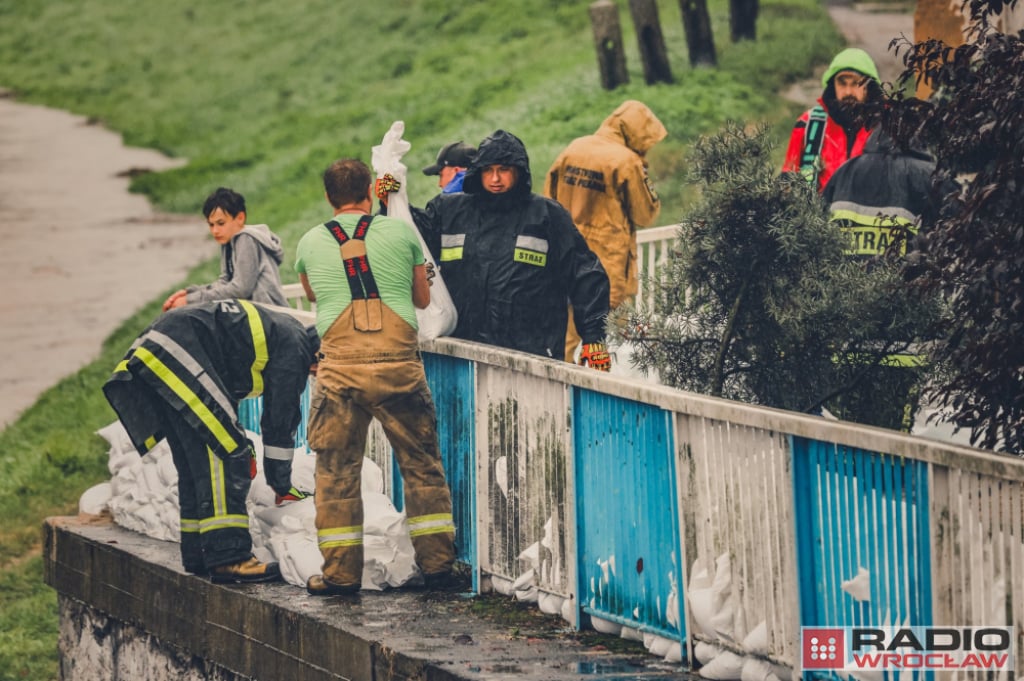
514	261
881	192
202	360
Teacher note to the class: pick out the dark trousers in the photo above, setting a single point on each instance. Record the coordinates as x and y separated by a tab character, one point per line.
211	494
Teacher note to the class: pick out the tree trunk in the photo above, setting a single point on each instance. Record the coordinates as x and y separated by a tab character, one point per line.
728	333
651	41
699	39
611	59
743	20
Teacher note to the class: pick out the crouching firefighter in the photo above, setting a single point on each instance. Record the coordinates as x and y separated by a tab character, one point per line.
182	380
367	276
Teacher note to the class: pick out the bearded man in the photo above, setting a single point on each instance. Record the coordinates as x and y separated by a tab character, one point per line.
832	132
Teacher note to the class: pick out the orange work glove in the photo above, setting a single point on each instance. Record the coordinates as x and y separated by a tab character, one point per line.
596	355
294	494
384	185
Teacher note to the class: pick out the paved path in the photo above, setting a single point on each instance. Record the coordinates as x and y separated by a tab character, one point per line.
869	30
80	253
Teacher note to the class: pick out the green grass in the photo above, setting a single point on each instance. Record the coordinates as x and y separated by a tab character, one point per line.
262	95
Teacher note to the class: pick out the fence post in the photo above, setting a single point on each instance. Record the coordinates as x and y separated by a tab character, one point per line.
651	41
611	59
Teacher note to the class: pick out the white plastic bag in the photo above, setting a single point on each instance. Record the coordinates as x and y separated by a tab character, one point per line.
438	318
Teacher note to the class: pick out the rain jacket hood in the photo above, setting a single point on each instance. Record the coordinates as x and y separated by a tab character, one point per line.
881	143
634	125
503	148
270	242
249	269
602	180
514	261
850	59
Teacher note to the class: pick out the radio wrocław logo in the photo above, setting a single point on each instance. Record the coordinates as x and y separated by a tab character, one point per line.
891	648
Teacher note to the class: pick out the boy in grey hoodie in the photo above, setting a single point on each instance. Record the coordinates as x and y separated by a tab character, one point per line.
249	257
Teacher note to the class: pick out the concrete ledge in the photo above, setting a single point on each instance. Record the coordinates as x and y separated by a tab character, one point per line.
277	631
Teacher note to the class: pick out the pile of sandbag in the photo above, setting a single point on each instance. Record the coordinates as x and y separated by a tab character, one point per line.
142	495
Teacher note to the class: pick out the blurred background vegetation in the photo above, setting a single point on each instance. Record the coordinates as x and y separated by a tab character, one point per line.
261	95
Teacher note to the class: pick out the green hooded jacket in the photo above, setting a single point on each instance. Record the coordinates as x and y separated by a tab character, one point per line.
850	59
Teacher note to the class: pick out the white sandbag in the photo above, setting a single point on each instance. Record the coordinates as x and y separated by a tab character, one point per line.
439	317
569	610
94	500
550	604
674	653
604	626
168	474
117	437
631	634
501	585
657	645
525	587
705	652
298	556
727	665
755	669
142	496
304	470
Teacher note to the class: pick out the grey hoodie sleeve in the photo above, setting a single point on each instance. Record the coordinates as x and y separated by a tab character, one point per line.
245	256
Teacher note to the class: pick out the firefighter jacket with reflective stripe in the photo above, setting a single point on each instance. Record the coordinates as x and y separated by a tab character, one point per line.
879	192
514	261
202	359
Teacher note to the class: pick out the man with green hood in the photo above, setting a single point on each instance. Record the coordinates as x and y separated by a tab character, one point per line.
602	180
833	131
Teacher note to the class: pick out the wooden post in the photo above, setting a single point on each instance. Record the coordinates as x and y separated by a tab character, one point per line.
697	25
743	20
651	41
611	59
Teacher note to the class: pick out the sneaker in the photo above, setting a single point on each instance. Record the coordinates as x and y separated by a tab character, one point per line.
247	571
319	586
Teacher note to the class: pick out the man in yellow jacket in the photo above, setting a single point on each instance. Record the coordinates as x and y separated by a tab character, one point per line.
601	179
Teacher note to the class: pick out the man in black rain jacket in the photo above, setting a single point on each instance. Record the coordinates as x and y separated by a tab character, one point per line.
880	199
512	259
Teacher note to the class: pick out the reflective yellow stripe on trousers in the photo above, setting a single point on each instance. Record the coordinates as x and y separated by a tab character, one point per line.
334	537
221	518
436	523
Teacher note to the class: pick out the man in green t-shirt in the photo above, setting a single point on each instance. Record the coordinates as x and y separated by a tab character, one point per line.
367	277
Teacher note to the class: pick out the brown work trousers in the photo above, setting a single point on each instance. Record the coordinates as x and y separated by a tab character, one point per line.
364	375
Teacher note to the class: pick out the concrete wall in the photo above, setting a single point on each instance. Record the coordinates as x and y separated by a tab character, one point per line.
128	611
96	646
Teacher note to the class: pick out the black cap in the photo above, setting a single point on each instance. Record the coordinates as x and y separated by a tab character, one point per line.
457	154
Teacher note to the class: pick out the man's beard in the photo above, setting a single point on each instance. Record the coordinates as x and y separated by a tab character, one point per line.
848	112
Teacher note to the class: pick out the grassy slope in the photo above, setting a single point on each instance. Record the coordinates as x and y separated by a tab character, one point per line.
262	95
